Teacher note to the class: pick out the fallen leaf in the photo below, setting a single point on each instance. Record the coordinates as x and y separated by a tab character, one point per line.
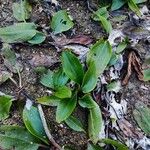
129	130
80	39
133	63
42	60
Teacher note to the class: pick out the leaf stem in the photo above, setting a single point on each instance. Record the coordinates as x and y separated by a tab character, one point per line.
46	128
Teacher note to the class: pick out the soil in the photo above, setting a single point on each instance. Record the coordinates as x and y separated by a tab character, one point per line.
135	90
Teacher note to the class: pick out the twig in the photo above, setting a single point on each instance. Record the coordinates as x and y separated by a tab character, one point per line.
13	81
20	80
46	127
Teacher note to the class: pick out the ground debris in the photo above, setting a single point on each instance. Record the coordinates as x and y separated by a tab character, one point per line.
129	130
79	39
133	63
42	60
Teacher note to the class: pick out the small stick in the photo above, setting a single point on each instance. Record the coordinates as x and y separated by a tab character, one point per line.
46	127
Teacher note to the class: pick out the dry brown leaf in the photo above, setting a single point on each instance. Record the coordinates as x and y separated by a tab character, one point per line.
133	63
42	60
129	130
80	39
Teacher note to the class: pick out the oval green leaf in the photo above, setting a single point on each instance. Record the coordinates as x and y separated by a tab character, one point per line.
22	10
33	123
90	79
49	100
18	138
5	104
142	116
61	22
100	53
19	32
65	108
94	123
63	92
115	143
72	67
87	101
38	38
74	124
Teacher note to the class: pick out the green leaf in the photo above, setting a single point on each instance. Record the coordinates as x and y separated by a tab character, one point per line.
47	79
121	47
19	32
63	92
100	12
142	116
33	123
38	38
22	10
5	104
54	79
60	78
113	59
116	4
4	75
100	53
72	67
74	124
61	22
65	108
146	74
132	5
106	24
94	123
10	59
140	1
93	147
116	144
102	15
18	138
90	79
114	86
49	100
87	101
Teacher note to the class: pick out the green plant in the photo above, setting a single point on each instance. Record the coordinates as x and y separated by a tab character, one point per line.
66	98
